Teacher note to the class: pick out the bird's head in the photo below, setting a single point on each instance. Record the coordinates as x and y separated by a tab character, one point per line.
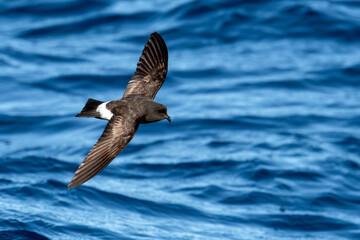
157	112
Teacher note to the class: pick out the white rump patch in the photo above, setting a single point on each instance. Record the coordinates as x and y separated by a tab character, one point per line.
104	112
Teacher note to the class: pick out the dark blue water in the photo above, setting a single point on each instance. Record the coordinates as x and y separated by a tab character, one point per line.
264	98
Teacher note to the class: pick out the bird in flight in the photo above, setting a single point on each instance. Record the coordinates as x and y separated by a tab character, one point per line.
126	114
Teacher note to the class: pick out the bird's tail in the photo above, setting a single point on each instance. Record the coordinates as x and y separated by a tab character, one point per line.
90	109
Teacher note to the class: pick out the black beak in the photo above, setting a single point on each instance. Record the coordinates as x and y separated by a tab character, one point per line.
168	118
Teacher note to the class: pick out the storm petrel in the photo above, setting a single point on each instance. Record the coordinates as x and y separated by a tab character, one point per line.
126	114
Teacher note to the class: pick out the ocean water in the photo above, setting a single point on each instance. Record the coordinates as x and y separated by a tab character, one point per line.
265	135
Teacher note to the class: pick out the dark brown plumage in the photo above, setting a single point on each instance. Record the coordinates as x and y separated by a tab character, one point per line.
151	69
126	114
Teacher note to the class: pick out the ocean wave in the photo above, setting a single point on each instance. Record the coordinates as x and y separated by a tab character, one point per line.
263	143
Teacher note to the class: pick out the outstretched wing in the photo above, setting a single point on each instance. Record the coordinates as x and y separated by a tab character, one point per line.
116	136
151	69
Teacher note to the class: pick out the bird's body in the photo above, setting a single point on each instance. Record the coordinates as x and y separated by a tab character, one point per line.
126	114
135	106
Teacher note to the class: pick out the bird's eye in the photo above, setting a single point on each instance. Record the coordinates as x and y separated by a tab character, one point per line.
162	111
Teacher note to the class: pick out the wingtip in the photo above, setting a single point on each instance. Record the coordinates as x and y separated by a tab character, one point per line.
71	185
155	34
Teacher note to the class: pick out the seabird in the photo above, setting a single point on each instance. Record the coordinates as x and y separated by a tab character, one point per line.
126	114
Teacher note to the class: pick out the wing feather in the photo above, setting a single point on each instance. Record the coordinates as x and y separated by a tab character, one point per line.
151	69
116	136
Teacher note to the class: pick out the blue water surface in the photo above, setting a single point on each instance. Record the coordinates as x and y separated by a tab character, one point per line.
265	135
